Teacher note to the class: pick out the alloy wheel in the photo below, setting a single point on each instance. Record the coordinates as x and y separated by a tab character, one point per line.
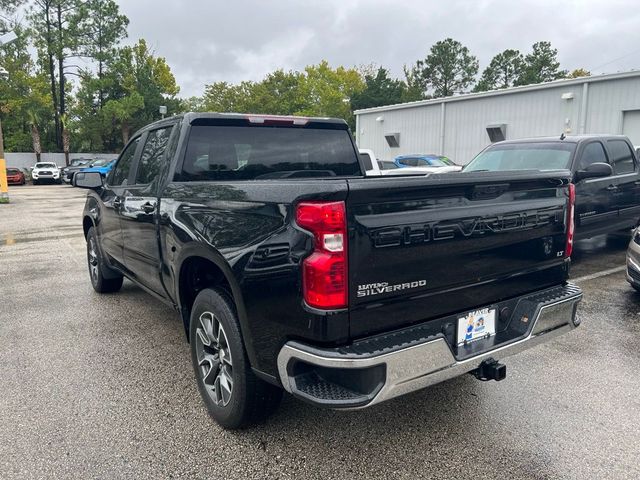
93	261
214	359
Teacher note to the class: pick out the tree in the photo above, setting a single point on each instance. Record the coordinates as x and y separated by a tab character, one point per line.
226	97
278	93
100	29
380	89
415	87
318	91
141	83
7	9
541	65
327	92
503	71
579	72
449	68
24	97
123	111
55	24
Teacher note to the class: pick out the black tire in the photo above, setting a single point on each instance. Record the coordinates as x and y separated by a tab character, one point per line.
103	279
35	182
636	287
250	399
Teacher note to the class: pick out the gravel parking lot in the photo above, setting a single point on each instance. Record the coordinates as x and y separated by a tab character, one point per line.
98	386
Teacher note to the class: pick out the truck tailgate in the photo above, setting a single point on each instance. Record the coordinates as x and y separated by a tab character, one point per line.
420	248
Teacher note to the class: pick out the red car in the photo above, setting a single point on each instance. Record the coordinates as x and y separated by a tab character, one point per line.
15	177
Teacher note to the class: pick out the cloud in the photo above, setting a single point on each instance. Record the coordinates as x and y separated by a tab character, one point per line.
211	41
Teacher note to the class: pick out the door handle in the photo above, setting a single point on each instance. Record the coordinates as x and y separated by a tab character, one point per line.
149	207
612	188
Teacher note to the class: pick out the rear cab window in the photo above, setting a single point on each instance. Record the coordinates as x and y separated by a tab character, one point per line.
218	152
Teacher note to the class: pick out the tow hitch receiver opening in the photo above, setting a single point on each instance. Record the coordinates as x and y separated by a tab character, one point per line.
490	369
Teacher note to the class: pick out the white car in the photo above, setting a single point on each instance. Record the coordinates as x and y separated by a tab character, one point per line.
374	167
45	171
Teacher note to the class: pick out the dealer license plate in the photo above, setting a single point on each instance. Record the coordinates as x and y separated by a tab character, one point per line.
475	325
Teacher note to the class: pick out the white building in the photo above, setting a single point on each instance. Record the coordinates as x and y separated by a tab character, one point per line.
460	126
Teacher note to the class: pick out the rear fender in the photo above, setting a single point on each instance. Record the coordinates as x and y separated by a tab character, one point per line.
209	253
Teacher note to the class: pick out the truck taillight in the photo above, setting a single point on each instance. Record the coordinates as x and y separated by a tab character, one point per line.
324	272
570	221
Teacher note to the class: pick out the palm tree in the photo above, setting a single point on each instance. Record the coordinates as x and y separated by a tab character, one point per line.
33	120
66	138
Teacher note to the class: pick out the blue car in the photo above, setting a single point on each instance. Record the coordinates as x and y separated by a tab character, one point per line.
102	166
423	160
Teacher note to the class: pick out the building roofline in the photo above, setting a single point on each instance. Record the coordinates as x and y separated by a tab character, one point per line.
505	91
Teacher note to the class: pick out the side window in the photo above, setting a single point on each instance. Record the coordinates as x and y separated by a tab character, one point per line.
152	155
622	157
592	153
120	173
409	162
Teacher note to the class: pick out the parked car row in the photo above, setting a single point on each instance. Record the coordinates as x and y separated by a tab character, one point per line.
76	165
413	163
50	172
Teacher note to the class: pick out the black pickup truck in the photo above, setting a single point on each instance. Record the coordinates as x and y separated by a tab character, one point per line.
604	169
293	270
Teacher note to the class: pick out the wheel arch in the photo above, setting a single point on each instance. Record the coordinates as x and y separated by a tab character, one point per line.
87	223
199	268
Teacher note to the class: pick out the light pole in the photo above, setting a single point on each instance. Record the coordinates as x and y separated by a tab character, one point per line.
4	187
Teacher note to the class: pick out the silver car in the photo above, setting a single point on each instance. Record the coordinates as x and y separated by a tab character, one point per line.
633	260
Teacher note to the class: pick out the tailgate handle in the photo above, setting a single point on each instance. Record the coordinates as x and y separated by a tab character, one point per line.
489	191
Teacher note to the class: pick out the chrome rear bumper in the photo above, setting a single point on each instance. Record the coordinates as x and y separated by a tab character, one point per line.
402	370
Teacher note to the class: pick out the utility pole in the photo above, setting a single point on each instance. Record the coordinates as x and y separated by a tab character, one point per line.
4	187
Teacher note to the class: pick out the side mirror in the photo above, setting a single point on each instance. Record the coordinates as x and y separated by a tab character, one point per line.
595	170
90	180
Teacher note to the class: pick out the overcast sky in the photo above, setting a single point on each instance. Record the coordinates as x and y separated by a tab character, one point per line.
208	41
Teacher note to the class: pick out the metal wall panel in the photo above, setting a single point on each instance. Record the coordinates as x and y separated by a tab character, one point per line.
528	112
607	101
631	126
419	131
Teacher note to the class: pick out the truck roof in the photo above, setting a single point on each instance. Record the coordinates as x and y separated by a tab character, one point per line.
567	139
195	117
